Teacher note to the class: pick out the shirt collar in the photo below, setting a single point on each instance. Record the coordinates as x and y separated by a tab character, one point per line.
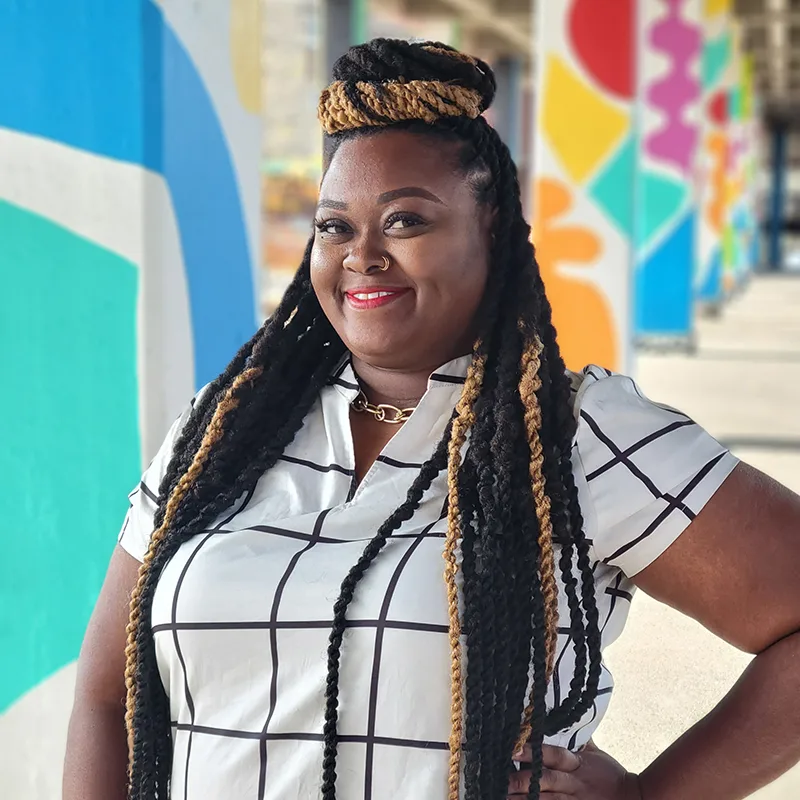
451	374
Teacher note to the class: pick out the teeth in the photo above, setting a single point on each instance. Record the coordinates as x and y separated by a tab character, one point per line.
370	295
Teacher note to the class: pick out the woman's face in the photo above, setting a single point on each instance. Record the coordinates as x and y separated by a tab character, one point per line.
400	195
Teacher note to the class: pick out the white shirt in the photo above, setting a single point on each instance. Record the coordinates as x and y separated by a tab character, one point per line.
241	615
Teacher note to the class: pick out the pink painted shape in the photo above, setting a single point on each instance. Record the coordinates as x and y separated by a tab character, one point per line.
676	141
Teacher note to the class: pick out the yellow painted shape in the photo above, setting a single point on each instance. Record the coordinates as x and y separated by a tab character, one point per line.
582	314
714	7
245	39
583	128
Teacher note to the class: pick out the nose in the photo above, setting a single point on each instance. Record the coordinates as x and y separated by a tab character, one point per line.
364	258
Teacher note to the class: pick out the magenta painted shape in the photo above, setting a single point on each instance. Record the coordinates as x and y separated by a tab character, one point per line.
681	42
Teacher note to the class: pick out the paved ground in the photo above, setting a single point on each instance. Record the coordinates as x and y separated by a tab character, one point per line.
744	386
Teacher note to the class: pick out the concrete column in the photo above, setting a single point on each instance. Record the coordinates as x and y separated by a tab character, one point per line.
585	155
129	216
508	72
345	25
669	94
777	205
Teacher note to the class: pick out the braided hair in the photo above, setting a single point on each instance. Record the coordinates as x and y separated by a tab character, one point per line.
511	494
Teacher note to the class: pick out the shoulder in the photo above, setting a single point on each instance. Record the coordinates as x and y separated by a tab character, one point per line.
138	524
644	469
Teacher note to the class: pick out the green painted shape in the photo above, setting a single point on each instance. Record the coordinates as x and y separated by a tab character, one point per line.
659	200
736	103
613	188
70	441
730	250
716	55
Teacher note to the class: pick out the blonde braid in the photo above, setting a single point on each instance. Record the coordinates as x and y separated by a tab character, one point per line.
529	385
394	101
210	438
465	419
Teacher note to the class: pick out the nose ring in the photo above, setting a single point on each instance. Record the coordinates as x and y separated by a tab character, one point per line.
386	264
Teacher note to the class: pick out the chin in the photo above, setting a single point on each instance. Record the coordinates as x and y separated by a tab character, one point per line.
387	352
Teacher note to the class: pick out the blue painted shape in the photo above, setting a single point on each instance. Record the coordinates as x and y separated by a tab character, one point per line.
114	79
709	287
613	188
716	55
72	72
659	199
200	173
664	284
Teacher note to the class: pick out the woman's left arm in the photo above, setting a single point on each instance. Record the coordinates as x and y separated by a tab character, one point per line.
736	569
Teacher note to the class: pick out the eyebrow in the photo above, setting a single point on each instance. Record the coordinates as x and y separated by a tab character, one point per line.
408	191
386	197
338	205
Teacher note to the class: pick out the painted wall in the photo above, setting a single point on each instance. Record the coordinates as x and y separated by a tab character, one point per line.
740	250
583	191
715	142
129	141
670	46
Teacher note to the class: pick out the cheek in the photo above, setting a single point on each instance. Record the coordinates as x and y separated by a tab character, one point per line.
324	272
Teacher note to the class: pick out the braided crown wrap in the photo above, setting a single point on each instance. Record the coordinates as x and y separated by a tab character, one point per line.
385	103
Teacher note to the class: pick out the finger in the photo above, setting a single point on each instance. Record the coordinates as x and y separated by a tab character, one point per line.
519	783
559	758
551	781
525	754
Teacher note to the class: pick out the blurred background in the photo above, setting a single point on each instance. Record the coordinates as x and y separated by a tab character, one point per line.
159	164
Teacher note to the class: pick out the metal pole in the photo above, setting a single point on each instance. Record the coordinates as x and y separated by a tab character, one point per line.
778	197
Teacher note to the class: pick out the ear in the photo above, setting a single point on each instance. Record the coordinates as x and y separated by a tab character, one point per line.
487	218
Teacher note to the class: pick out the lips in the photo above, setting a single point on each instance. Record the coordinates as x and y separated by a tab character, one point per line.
363	299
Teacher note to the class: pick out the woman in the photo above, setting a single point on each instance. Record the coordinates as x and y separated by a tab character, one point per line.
290	634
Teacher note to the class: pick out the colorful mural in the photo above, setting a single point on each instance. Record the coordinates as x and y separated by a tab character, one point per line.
740	238
584	187
128	228
713	157
670	44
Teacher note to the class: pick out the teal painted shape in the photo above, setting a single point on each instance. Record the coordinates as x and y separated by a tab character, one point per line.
613	188
659	200
70	441
716	55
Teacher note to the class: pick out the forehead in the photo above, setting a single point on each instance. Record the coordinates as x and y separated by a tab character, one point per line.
376	163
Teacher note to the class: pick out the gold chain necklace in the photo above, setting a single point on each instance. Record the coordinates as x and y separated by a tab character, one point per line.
382	412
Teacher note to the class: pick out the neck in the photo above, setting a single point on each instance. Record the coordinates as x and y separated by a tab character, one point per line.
401	388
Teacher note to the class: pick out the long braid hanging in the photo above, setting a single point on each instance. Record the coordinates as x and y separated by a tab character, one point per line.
510	495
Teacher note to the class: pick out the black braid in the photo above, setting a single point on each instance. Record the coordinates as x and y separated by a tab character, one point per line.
293	356
402	514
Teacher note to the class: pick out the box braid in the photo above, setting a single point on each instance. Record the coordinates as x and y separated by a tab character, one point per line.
506	453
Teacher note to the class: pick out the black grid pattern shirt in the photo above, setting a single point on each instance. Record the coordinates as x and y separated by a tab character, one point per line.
242	613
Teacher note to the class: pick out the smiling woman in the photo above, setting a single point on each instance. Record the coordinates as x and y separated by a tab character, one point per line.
381	554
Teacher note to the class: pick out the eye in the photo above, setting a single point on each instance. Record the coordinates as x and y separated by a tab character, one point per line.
331	227
401	220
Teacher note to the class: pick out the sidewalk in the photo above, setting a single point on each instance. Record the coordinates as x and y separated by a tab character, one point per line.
744	386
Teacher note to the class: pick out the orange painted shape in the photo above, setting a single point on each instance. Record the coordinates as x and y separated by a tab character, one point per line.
581	314
715	212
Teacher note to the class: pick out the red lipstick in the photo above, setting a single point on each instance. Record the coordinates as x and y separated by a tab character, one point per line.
363	299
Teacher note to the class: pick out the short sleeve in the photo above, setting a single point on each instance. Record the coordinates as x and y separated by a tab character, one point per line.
644	471
137	527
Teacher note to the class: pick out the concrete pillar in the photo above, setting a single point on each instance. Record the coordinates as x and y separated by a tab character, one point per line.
777	201
129	153
669	96
345	24
585	157
506	107
713	156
